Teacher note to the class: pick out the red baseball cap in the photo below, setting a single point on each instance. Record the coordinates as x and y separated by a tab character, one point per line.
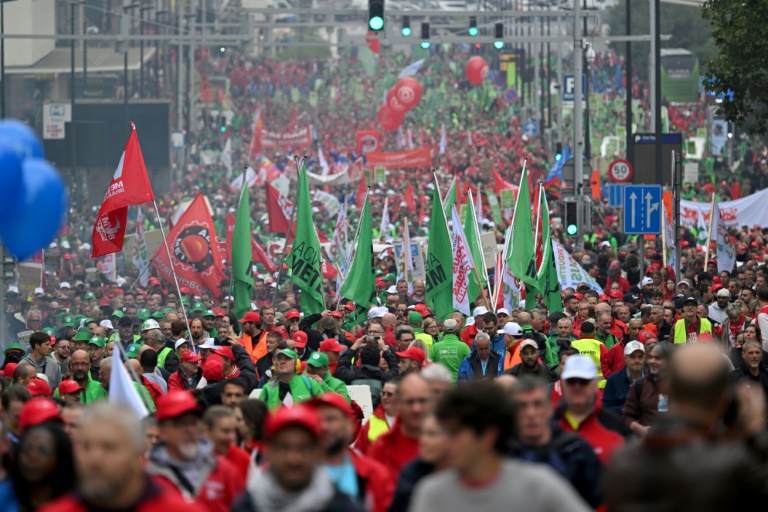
37	411
291	314
422	310
300	415
331	345
604	297
186	290
190	357
578	296
380	283
219	312
69	386
153	281
9	369
616	294
336	314
175	404
332	400
225	352
349	306
213	368
38	387
300	338
250	316
645	336
414	353
716	287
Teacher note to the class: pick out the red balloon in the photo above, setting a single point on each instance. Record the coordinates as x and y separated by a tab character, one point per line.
476	70
389	119
394	103
408	91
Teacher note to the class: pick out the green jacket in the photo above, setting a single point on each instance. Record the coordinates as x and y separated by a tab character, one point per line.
93	392
552	357
333	385
608	341
162	355
302	389
449	352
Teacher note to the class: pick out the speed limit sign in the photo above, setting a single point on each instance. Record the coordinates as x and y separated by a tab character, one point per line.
620	171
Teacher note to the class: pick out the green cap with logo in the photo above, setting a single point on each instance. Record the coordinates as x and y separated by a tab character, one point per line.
83	334
98	341
48	331
208	312
132	350
68	321
117	313
198	306
158	315
185	301
79	319
168	310
142	314
89	320
318	360
89	296
288	353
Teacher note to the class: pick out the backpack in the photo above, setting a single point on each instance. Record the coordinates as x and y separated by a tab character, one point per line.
374	385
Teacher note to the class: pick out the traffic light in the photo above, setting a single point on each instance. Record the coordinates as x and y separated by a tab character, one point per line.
376	15
571	217
406	31
425	35
9	267
558	151
498	34
473	26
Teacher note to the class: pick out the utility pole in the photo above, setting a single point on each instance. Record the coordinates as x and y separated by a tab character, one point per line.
630	152
578	139
657	89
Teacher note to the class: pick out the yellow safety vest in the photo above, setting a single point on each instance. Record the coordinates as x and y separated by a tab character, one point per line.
681	333
591	347
376	427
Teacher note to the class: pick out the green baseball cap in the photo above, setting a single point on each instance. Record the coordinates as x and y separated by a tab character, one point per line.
318	360
185	301
208	312
89	296
98	341
415	316
83	334
168	310
198	306
288	352
390	277
158	315
68	321
132	350
79	319
118	313
12	347
142	314
48	331
88	320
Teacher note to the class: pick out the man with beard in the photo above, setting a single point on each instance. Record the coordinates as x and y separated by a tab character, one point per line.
529	353
186	460
373	486
197	332
266	362
253	337
110	460
80	363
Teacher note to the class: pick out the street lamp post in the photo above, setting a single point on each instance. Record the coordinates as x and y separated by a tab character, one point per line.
141	50
589	56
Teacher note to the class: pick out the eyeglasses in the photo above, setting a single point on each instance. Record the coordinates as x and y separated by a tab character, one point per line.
375	332
406	340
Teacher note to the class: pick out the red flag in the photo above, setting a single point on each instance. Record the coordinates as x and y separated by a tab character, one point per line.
361	191
258	124
230	232
552	187
294	118
279	210
409	198
196	256
373	43
499	182
130	185
258	254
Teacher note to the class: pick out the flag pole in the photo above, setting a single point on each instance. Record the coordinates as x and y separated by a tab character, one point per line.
664	241
173	271
288	235
709	232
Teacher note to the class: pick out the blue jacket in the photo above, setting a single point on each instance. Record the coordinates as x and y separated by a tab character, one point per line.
616	390
497	345
471	367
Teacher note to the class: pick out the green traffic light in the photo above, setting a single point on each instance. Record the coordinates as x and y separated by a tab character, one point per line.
425	44
376	23
571	229
406	31
473	31
223	129
498	45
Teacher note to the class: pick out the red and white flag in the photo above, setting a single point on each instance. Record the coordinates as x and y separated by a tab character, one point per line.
130	185
197	258
279	210
462	265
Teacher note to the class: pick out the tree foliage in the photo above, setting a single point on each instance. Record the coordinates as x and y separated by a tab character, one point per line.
688	28
740	35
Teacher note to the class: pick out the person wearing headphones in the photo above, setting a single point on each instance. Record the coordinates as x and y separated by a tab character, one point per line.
288	387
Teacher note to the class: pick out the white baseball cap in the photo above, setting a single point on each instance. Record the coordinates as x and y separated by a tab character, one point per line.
513	329
392	290
723	292
579	366
107	324
210	343
480	311
180	342
377	312
64	284
39	291
502	311
633	346
528	343
646	281
120	281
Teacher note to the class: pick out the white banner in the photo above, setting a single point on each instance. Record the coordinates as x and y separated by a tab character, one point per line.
462	266
748	211
726	253
250	176
569	272
329	201
669	237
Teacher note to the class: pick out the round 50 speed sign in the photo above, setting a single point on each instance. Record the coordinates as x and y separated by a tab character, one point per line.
620	171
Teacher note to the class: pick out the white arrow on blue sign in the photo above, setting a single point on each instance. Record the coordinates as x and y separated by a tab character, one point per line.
616	195
642	209
531	128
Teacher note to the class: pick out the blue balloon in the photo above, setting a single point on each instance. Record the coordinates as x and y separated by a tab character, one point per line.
10	179
22	138
39	212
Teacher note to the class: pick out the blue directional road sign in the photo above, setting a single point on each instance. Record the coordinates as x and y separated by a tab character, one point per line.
642	209
616	195
531	128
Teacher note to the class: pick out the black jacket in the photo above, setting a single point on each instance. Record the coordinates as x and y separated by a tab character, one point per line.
339	503
543	372
410	476
212	392
569	455
348	372
491	368
741	374
314	338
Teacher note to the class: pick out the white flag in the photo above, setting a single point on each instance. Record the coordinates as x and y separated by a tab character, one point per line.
226	157
669	237
702	232
385	223
443	139
109	267
330	202
569	273
726	253
140	258
323	162
411	69
462	265
122	391
339	243
250	177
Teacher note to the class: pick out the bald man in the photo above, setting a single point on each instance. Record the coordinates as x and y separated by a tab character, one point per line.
694	470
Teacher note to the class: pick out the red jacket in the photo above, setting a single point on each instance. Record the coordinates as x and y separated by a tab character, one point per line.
613	361
362	444
468	335
379	484
241	459
155	498
177	382
394	450
602	440
155	391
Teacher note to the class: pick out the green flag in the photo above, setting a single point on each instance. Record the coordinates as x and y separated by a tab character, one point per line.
521	257
360	283
549	285
439	264
450	199
305	258
476	251
242	264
